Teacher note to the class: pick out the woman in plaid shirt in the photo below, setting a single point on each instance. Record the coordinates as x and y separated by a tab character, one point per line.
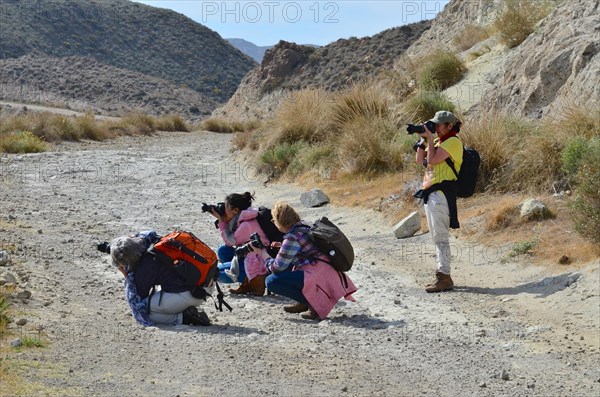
298	271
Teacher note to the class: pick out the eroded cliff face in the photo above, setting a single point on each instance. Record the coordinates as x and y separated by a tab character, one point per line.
260	91
557	66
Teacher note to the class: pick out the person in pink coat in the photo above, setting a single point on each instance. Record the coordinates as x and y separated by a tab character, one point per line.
236	226
299	271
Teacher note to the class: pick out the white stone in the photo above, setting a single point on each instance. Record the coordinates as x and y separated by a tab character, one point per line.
408	226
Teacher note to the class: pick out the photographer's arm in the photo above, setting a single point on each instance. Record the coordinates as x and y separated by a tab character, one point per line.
436	155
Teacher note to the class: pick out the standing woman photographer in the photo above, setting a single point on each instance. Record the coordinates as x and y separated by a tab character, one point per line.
237	224
438	190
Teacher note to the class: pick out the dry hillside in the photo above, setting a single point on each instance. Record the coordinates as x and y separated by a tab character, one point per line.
83	84
288	67
122	34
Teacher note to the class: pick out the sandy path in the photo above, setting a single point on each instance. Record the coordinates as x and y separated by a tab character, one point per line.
542	329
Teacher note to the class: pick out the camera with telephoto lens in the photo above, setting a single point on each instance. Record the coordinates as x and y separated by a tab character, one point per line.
245	249
219	208
420	128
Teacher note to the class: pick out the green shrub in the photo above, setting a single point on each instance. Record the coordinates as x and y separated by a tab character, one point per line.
22	142
442	70
278	158
422	105
518	19
573	155
586	204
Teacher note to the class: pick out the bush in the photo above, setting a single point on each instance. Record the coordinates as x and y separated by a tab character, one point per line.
423	105
573	155
441	70
586	204
278	158
304	116
518	19
469	36
22	142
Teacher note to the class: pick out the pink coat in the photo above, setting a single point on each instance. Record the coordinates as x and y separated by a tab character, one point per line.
254	264
324	287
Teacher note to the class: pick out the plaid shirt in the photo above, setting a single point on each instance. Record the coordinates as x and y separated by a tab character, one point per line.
296	250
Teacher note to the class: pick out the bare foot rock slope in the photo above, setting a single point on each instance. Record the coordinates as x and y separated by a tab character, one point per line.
506	329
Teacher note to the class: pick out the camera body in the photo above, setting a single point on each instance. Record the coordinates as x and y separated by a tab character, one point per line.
420	128
245	249
219	208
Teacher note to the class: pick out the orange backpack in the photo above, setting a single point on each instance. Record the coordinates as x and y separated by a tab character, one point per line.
193	260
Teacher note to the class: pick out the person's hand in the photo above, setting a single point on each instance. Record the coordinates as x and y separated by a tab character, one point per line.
219	217
427	134
276	244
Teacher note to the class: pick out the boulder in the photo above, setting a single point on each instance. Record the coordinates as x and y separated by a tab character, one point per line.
408	226
4	258
314	198
532	209
7	278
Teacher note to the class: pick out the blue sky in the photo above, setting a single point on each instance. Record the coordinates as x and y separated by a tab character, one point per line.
305	22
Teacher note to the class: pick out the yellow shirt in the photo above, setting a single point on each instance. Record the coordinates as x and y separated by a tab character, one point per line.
442	172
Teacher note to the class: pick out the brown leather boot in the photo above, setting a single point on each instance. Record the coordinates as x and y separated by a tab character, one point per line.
443	282
244	288
258	285
311	315
296	308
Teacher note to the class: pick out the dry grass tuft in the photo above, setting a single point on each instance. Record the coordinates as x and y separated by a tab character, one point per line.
229	126
519	17
363	100
469	36
368	145
172	122
441	70
422	105
304	116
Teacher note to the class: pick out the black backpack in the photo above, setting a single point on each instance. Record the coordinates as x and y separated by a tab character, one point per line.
266	224
330	240
467	177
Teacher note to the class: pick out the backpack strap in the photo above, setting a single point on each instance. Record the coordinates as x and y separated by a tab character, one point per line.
451	165
177	245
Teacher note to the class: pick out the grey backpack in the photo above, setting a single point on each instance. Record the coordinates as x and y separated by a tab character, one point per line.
330	240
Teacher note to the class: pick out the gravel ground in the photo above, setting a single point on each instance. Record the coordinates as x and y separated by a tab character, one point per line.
508	328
